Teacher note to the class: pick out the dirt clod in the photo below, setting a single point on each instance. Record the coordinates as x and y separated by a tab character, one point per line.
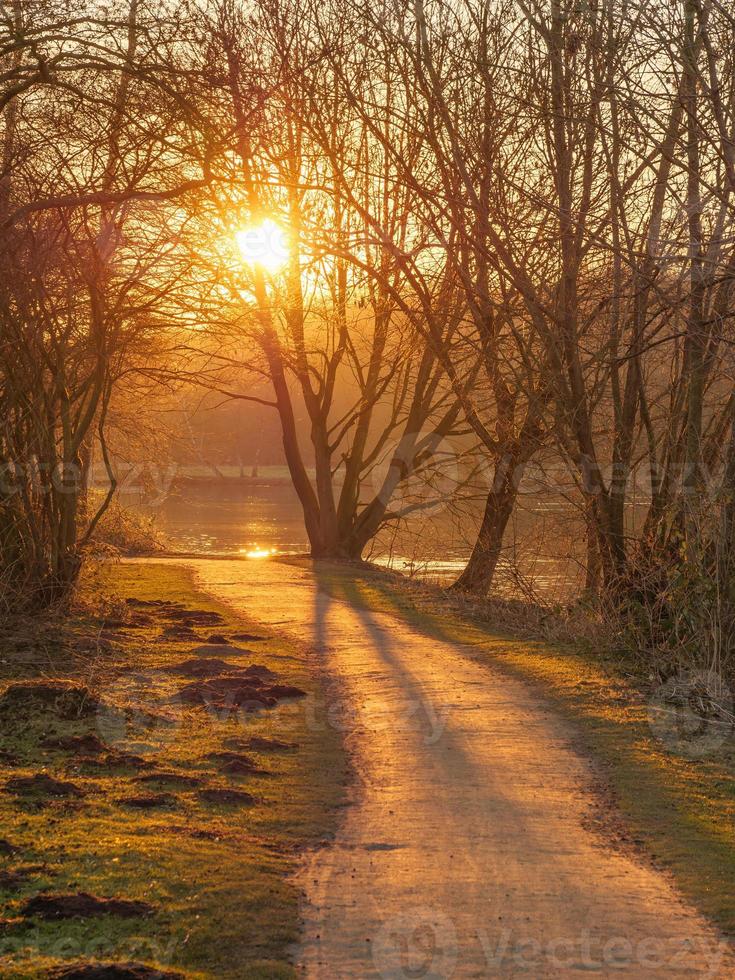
283	691
229	797
88	744
42	784
112	971
221	650
230	691
235	763
195	617
62	698
83	906
261	672
235	767
245	689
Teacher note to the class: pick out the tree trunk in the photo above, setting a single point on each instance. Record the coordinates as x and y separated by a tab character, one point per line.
694	343
477	578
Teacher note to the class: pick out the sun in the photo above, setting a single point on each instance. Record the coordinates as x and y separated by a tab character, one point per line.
264	245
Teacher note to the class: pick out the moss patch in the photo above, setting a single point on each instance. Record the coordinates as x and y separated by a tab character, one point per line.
215	872
681	811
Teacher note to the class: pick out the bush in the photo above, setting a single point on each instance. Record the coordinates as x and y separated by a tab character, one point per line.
676	607
125	532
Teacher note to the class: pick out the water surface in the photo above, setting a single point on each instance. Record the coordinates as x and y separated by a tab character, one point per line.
259	517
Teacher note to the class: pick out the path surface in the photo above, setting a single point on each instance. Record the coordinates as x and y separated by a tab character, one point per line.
466	851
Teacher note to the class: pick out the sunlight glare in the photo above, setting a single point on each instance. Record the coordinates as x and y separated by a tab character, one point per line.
264	245
258	552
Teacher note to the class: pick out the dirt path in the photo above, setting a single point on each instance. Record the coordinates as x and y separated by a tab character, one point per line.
467	851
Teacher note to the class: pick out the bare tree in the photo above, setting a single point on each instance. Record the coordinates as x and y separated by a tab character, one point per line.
89	270
336	331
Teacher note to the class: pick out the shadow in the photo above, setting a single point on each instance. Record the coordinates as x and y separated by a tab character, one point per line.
328	601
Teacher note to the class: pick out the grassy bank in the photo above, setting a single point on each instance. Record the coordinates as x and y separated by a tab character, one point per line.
144	817
679	811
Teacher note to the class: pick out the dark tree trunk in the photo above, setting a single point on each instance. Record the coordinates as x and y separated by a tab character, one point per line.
477	578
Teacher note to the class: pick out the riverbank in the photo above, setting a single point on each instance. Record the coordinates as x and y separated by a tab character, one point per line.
673	806
126	781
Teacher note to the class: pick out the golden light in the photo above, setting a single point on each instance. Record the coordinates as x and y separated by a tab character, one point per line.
258	552
264	245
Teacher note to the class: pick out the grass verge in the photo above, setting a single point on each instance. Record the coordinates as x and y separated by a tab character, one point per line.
216	874
679	810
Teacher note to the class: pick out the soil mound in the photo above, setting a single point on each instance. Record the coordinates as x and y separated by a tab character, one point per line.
221	650
88	744
241	690
43	785
112	971
62	698
227	797
195	617
282	692
229	691
83	906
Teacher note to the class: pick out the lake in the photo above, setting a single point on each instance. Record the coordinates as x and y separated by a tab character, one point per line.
254	518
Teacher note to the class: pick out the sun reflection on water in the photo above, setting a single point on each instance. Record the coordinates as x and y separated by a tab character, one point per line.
257	552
